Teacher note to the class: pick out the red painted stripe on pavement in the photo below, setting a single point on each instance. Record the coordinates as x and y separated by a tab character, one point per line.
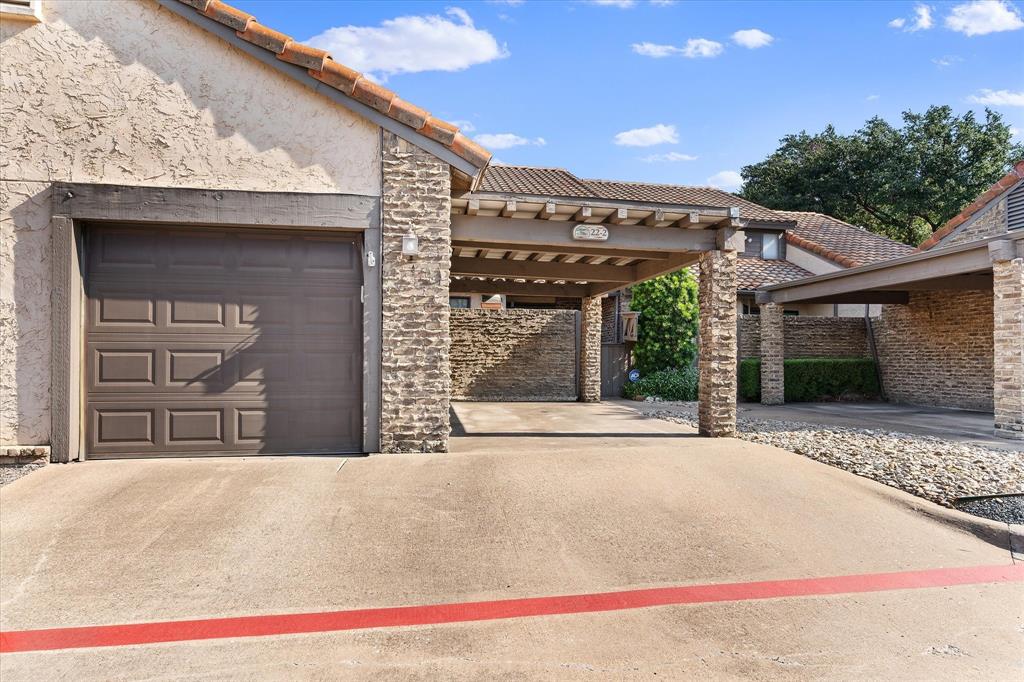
332	621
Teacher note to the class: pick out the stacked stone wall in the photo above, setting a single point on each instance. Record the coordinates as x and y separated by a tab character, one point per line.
415	376
513	354
808	337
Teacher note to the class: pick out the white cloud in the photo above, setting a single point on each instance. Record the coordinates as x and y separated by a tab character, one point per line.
1005	98
508	140
872	98
510	3
921	21
663	3
947	60
670	157
728	180
646	137
701	47
1015	132
695	47
752	38
621	4
984	16
411	44
655	50
464	126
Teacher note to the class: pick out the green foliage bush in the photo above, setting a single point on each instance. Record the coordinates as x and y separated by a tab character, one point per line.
811	379
667	384
668	322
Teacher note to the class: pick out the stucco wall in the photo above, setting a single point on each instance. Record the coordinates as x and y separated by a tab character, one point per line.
938	350
513	354
126	92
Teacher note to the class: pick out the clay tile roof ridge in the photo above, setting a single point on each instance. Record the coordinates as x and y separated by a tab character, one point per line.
349	82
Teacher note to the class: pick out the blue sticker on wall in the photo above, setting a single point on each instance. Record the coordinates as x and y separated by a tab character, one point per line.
634	375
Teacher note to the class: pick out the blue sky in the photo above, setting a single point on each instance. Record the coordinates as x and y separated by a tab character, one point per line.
558	83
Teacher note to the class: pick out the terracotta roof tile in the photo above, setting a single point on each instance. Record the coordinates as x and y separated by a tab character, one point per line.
320	66
840	242
303	55
1004	183
558	182
753	273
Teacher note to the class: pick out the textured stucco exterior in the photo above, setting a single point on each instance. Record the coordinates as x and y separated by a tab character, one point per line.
129	93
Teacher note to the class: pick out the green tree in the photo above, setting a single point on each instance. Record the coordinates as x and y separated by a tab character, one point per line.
904	182
668	322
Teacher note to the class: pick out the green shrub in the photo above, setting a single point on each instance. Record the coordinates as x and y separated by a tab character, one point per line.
668	321
667	384
811	379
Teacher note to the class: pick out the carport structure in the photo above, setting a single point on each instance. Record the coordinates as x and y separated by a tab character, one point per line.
582	247
995	265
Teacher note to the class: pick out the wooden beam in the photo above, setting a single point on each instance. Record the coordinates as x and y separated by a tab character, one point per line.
981	282
689	220
546	211
509	209
656	217
617	216
542	270
528	233
892	275
583	214
473	207
475	286
649	270
183	206
578	249
729	239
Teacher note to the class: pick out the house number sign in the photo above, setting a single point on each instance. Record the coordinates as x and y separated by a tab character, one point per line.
590	233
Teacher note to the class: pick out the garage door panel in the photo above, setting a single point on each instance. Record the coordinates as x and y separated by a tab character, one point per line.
219	359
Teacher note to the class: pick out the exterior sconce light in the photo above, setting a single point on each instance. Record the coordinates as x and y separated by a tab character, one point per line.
410	245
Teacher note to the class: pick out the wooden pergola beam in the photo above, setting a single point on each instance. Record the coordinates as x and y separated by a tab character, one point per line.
583	214
527	233
522	269
474	286
649	270
572	251
547	211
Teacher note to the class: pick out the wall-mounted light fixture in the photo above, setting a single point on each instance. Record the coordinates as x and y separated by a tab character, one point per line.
410	244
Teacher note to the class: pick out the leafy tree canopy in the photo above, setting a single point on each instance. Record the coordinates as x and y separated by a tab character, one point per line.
903	182
667	329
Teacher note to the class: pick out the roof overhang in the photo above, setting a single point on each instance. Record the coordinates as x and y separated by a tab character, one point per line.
963	267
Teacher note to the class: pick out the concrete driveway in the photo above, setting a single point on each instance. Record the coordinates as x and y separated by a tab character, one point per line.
535	500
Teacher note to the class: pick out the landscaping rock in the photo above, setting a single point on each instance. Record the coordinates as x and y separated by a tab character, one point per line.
932	468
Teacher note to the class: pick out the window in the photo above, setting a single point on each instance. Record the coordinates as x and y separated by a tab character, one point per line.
20	9
766	245
458	301
792	313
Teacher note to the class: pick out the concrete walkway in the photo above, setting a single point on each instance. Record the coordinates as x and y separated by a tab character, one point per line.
949	424
536	500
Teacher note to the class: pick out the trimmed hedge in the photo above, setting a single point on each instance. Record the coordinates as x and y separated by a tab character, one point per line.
811	379
667	384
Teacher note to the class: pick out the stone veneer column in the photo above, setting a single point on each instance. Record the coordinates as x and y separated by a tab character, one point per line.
1008	346
590	350
772	354
716	412
415	377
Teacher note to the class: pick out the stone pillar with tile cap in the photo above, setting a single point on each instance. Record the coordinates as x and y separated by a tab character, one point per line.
716	411
772	354
590	350
1008	339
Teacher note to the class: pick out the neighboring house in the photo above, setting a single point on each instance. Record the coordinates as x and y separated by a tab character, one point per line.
952	330
217	240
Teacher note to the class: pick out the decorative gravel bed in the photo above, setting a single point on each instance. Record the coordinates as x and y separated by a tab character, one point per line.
1007	509
932	468
12	472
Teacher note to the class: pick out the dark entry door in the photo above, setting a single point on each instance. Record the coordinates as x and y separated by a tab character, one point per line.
231	341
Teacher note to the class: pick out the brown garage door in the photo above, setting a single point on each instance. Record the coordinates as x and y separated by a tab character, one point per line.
203	341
